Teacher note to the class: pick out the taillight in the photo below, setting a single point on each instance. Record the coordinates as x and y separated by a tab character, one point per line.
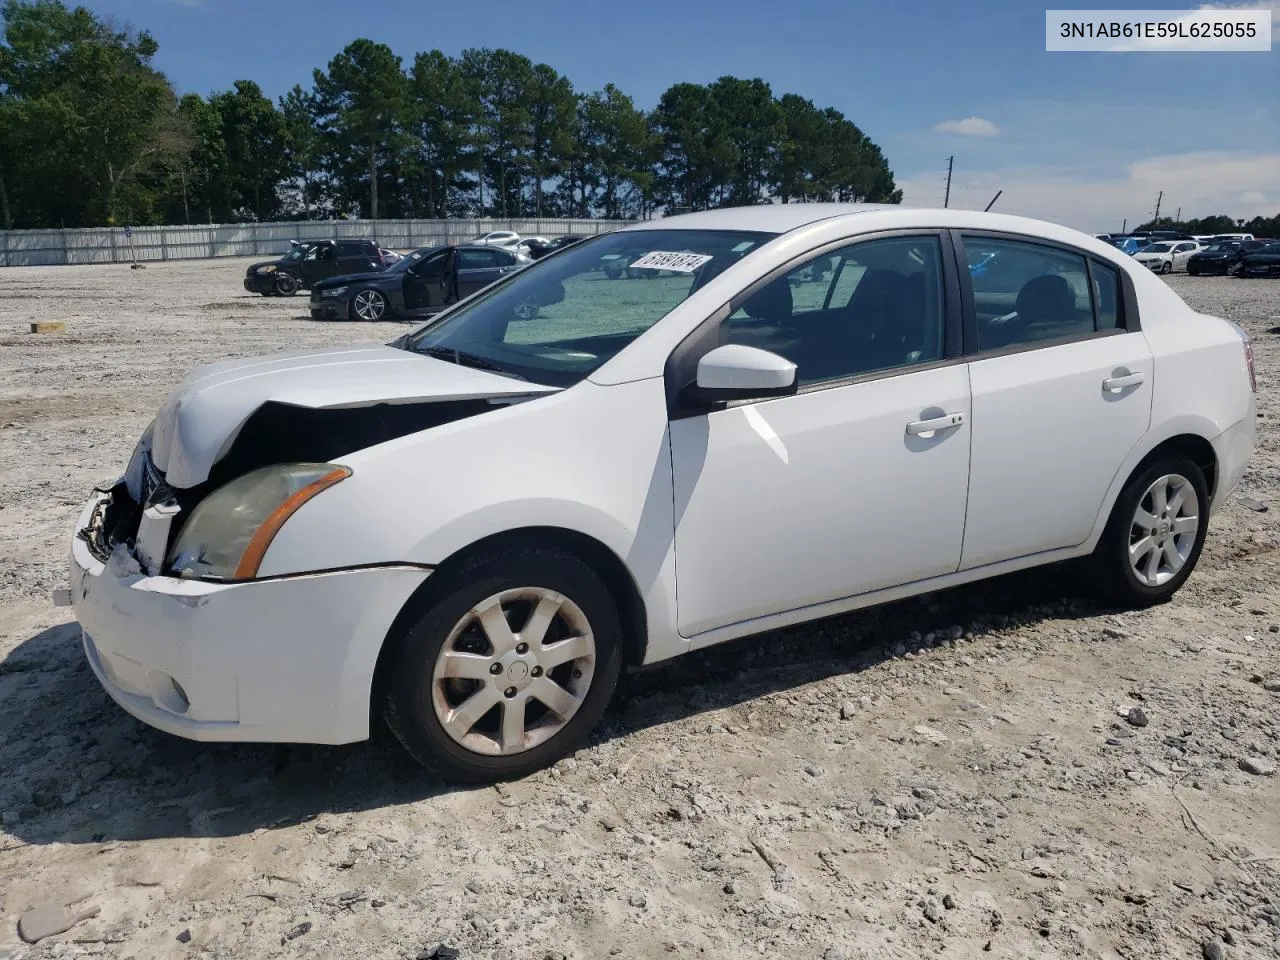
1247	343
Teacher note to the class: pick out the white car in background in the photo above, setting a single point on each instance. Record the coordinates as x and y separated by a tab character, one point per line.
521	248
474	529
1165	256
499	238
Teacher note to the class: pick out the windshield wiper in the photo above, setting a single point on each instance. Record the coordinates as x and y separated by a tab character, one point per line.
464	359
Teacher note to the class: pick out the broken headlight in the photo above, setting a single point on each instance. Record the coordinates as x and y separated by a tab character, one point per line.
133	473
228	533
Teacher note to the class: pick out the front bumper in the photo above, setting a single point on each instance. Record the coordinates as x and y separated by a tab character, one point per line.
330	308
284	660
260	283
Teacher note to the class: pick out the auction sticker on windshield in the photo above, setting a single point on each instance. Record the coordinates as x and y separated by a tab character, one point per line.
664	260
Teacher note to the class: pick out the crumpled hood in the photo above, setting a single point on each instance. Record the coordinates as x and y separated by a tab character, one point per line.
202	416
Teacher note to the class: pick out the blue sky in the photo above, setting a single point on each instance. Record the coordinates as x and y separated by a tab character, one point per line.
1086	139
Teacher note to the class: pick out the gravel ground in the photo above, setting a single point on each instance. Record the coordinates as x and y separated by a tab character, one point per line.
1007	768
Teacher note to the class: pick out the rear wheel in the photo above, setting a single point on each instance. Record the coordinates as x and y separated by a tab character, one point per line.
286	284
1156	532
369	305
508	670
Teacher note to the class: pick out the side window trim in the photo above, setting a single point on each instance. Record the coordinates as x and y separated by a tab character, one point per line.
681	366
1127	321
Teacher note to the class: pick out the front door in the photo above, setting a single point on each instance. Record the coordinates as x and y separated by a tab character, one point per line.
427	284
856	483
1061	383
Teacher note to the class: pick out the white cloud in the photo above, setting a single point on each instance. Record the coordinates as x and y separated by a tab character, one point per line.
1202	184
968	127
1272	5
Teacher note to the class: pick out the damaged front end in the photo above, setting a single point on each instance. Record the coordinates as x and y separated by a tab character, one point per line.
143	517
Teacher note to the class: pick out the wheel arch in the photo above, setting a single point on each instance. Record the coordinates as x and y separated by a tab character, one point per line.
1189	438
617	578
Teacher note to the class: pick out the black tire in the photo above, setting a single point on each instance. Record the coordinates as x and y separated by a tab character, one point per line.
286	284
1109	566
1167	267
407	692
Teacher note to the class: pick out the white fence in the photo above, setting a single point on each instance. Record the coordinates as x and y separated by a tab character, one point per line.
33	248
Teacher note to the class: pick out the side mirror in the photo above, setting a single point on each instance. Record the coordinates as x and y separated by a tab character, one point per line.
736	371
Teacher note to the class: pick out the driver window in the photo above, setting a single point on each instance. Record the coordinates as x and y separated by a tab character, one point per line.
431	268
871	306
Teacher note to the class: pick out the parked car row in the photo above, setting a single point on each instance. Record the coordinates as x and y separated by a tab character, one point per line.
1227	254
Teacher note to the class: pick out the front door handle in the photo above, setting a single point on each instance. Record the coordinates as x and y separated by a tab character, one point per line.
1112	384
945	422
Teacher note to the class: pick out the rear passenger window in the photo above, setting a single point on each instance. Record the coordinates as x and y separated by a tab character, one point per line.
869	307
1026	293
1106	293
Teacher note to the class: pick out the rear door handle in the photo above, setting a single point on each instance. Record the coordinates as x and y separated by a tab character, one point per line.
945	422
1112	384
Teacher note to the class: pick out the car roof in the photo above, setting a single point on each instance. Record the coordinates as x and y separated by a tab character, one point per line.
769	217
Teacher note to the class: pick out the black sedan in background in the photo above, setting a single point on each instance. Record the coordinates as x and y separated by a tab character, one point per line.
1260	263
539	250
1220	256
424	282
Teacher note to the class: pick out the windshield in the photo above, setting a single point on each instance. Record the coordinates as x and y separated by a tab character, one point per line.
1163	247
1221	247
410	259
556	321
296	253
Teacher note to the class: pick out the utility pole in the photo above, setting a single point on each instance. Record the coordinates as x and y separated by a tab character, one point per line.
1124	225
947	199
1177	217
1159	197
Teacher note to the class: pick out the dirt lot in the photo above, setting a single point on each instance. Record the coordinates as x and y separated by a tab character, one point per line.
942	777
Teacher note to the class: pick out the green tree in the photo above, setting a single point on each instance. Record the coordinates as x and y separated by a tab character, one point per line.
361	105
755	129
92	110
300	139
696	157
445	108
552	107
503	81
253	132
618	152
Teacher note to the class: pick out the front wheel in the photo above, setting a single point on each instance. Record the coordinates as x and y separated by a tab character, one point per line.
1166	267
508	669
369	305
1156	532
286	284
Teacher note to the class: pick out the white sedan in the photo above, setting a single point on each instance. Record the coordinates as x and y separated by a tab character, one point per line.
809	409
499	238
1167	255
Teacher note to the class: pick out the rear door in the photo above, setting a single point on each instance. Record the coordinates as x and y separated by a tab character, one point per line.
1182	253
476	269
358	256
320	261
1062	382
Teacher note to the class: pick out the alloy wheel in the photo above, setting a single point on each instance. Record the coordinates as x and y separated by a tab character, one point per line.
1163	531
369	305
513	671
